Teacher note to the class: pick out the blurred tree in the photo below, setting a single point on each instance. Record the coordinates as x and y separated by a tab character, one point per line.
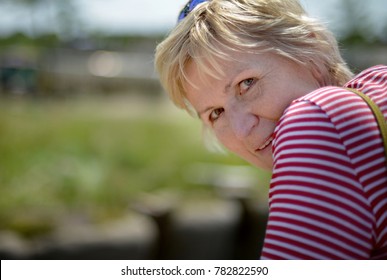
52	16
68	20
356	22
357	25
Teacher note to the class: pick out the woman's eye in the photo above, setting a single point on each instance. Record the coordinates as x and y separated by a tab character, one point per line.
215	114
245	85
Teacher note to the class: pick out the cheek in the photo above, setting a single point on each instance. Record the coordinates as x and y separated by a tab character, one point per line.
230	142
274	106
223	136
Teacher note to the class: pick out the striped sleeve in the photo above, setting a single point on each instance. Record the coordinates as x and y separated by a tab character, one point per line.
318	209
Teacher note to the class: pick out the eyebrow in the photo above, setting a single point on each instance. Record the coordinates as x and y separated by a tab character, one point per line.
225	90
228	86
233	78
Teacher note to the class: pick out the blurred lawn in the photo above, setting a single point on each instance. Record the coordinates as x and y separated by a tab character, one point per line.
93	157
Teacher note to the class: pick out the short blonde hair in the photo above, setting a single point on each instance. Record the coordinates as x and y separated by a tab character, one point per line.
278	26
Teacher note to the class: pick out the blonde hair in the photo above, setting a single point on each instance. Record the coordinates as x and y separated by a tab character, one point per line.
278	26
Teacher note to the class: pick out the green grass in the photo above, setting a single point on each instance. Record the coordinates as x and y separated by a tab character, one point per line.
93	157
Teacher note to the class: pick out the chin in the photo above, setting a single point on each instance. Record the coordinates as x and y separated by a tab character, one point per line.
263	160
264	165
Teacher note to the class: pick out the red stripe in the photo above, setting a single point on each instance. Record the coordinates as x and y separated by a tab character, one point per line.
321	241
314	114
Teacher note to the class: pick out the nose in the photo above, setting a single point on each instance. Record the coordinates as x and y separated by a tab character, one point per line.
242	122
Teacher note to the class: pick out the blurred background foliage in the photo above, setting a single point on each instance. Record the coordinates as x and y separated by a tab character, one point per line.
86	129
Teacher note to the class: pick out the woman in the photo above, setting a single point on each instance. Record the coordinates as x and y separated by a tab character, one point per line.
271	84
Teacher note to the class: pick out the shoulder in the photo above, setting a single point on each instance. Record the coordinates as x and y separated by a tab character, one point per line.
334	111
313	112
375	76
372	82
306	134
331	106
318	126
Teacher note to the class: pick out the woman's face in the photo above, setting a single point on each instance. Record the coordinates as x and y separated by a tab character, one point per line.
244	105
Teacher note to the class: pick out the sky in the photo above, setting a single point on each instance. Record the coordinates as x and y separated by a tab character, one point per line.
155	16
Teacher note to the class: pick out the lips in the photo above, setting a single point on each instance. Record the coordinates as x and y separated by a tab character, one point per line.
267	143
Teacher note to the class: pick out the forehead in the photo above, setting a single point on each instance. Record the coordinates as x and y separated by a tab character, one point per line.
209	69
212	66
207	75
201	90
212	78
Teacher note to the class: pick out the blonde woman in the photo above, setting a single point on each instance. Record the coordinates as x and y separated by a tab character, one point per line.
269	81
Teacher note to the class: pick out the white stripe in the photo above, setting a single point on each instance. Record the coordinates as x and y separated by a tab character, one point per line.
382	219
318	235
314	171
326	91
283	133
284	140
314	222
295	249
334	165
373	74
377	183
350	114
366	127
360	137
329	94
320	182
307	123
308	151
376	172
301	106
326	193
344	106
277	253
384	230
367	155
337	97
333	106
360	118
370	164
377	91
303	179
377	194
323	143
378	78
364	146
380	205
305	116
322	97
333	101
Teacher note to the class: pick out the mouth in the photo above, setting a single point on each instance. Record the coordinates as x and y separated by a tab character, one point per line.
267	143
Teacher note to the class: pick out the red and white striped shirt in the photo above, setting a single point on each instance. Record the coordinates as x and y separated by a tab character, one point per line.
328	193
